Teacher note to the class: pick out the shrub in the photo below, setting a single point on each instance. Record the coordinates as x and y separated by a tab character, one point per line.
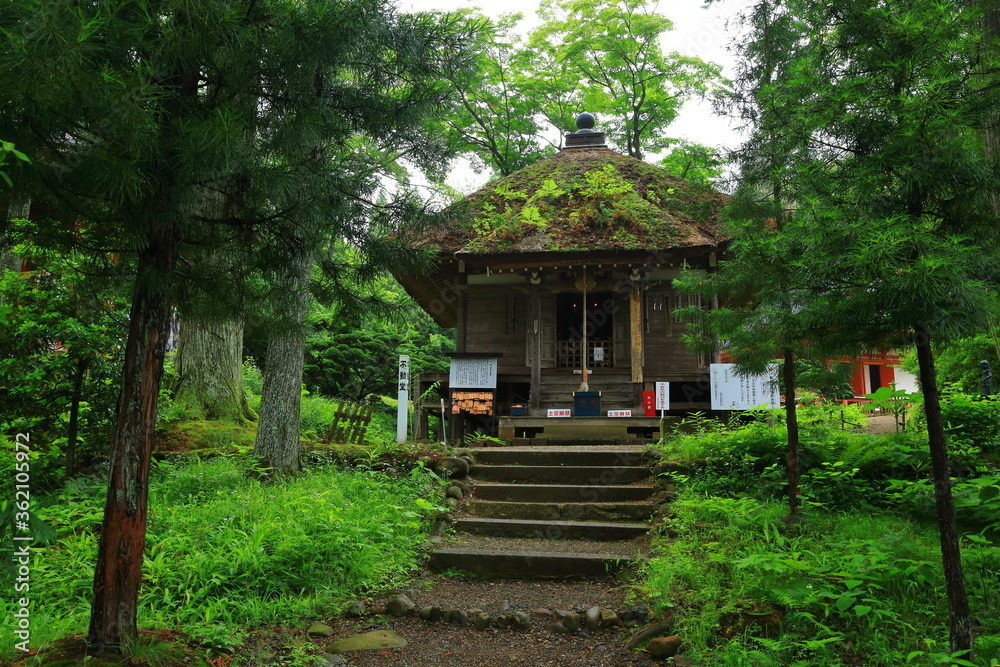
972	425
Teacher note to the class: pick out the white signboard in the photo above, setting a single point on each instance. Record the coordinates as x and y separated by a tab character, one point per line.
743	392
402	415
473	373
560	412
662	395
619	413
598	354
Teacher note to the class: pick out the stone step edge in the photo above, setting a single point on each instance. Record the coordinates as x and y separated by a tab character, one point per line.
561	493
560	487
559	449
514	553
601	504
529	564
555	524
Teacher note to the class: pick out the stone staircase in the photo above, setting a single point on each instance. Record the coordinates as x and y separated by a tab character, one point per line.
554	512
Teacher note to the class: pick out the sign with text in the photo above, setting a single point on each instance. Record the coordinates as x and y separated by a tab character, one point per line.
619	413
560	412
402	415
731	391
473	373
662	395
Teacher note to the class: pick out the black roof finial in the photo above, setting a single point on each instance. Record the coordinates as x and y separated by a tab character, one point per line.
585	135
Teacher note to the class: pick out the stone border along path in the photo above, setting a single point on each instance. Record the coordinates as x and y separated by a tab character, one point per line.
543	537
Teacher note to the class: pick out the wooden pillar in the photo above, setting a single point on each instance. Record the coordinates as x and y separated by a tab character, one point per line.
635	322
461	314
535	348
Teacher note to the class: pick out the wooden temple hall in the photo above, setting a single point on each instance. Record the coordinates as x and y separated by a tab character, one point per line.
558	280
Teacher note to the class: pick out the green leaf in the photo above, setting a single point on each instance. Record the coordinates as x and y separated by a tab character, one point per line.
862	609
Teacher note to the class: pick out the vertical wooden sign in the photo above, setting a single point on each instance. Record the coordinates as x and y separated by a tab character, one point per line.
402	413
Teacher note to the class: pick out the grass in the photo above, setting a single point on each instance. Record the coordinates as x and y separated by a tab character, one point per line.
226	552
842	589
858	583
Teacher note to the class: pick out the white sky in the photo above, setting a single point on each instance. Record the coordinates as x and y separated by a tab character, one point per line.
698	31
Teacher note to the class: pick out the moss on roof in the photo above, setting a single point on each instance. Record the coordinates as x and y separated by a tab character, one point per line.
583	199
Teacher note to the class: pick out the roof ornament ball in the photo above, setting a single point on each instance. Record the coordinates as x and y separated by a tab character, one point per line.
585	123
585	136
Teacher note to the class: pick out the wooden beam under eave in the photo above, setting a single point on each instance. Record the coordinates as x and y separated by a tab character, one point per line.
635	322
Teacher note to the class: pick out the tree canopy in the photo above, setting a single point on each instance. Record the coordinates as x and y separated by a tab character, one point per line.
137	113
613	47
605	56
865	179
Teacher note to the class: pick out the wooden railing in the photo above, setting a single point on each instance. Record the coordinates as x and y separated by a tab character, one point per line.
568	354
350	423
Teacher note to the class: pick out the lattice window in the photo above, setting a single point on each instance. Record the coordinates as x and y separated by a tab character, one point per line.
682	300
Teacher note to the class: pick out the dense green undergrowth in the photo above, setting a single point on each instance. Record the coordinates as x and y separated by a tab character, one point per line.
226	552
859	581
863	588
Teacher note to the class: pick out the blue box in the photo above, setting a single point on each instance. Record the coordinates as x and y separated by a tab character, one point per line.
586	404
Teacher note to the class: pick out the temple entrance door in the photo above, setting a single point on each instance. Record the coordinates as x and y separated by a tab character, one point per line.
569	330
547	316
623	332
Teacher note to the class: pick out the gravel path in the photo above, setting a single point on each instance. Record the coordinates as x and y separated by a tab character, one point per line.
440	645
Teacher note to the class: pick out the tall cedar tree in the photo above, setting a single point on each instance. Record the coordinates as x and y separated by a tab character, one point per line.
337	262
133	110
866	121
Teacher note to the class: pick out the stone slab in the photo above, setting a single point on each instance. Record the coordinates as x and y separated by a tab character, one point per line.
527	564
552	530
560	493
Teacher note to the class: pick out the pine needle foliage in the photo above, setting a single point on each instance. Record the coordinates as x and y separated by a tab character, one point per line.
867	168
135	113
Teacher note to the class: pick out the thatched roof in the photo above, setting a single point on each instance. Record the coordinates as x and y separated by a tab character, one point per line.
578	200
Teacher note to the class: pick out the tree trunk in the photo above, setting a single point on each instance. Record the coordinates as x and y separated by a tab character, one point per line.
17	209
792	421
74	417
209	365
960	626
123	533
277	443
